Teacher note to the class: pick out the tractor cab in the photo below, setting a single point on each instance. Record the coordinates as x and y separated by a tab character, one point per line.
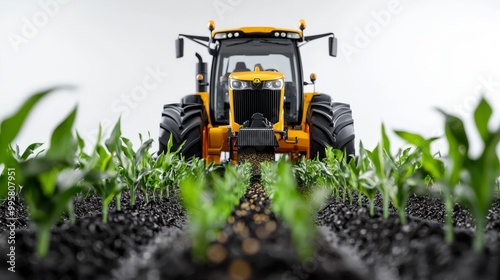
268	64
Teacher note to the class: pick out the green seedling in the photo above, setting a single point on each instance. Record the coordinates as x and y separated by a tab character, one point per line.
209	200
477	176
287	203
362	173
50	182
103	173
9	128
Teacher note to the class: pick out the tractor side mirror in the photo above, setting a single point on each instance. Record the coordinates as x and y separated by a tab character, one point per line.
332	46
213	48
179	47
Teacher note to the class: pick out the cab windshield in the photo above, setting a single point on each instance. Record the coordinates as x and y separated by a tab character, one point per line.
269	54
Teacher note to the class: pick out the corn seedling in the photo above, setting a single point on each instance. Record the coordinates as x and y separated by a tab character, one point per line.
310	174
129	162
102	169
336	163
287	203
166	170
477	176
9	128
382	171
406	163
209	200
433	170
401	169
51	182
362	175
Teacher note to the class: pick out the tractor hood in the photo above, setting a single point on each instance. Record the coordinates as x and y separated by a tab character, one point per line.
263	76
256	80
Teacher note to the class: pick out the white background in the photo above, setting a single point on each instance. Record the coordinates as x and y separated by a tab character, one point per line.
397	62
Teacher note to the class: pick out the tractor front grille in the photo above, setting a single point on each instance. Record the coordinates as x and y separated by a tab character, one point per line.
249	102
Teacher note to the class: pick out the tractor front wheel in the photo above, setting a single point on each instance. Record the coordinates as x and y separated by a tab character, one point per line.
184	122
330	124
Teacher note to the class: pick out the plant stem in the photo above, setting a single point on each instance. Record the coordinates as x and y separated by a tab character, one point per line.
43	240
386	204
479	234
104	211
146	196
71	213
119	201
132	196
402	216
372	207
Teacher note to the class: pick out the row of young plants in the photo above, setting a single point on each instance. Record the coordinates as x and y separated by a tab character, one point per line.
48	180
456	177
209	197
297	208
52	178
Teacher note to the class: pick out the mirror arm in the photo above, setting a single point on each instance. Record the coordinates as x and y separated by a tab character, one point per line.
197	39
314	37
308	39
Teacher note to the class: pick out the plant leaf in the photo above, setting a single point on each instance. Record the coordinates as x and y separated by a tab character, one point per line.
482	115
30	150
63	144
10	127
139	155
385	141
113	142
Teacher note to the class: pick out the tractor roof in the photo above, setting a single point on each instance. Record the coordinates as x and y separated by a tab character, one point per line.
257	32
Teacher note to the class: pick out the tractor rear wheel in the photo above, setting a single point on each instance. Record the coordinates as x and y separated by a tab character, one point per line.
330	124
185	123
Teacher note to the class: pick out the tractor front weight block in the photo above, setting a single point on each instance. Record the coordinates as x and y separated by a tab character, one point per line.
257	132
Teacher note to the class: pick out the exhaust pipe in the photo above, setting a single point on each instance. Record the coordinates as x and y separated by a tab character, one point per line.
201	74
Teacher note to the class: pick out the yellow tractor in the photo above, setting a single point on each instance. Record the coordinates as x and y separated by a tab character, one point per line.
254	99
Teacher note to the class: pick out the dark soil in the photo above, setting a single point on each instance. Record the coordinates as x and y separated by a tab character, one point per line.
19	213
149	242
90	249
418	249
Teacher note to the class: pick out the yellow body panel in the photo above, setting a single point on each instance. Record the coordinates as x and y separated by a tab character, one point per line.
262	75
217	143
307	100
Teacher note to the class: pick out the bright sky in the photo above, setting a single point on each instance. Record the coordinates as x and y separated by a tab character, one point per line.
398	59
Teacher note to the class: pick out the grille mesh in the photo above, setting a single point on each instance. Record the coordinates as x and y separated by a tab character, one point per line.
248	102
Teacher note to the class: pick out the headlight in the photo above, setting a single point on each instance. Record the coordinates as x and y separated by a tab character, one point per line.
273	85
220	36
240	85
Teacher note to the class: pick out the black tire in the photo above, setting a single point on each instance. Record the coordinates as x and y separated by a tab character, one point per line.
330	124
321	98
185	123
191	99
